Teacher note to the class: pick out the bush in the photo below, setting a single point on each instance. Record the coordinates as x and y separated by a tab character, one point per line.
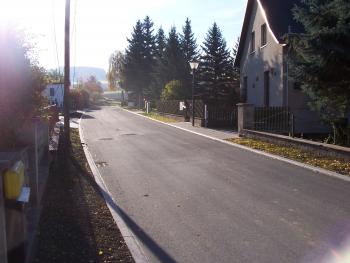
22	81
79	99
172	91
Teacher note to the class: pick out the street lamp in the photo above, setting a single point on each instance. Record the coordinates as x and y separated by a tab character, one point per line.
194	65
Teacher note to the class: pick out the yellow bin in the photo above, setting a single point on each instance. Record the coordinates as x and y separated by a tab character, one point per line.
14	180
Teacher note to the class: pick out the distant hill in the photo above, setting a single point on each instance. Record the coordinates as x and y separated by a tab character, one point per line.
83	73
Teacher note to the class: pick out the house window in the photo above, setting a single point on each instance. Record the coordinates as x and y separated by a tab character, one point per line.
263	35
52	92
252	42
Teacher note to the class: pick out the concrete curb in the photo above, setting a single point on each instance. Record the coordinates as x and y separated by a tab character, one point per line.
272	156
130	239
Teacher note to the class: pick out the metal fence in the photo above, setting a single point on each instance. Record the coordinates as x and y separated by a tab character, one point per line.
170	107
221	116
273	119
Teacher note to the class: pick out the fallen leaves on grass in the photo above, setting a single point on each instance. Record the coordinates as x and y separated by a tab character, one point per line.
332	164
159	117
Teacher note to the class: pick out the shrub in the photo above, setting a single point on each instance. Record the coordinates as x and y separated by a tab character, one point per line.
172	91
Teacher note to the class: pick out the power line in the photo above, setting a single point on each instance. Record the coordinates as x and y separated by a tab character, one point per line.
55	37
74	40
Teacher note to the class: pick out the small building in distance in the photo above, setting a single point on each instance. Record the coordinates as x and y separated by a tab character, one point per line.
55	94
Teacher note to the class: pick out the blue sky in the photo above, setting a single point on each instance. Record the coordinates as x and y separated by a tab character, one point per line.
101	26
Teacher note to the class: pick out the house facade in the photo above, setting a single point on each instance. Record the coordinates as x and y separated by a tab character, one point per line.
55	94
262	58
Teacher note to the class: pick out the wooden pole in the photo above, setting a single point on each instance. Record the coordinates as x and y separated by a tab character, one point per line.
66	74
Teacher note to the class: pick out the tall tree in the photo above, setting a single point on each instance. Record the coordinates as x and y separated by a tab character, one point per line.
159	81
114	75
190	51
188	42
216	68
320	56
173	64
133	70
160	43
149	52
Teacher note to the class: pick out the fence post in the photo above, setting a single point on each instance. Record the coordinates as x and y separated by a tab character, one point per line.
206	115
246	117
292	124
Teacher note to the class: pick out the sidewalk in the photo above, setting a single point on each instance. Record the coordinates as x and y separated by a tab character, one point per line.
221	134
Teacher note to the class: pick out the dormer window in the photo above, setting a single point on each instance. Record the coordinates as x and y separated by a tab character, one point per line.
252	42
263	35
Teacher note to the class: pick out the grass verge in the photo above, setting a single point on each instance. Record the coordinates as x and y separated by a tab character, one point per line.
158	117
76	224
333	164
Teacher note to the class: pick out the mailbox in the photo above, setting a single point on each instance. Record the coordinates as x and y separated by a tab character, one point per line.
14	180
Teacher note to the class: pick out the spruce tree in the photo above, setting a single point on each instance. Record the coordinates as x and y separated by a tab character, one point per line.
190	51
133	71
320	57
173	65
188	42
216	68
158	82
149	54
160	43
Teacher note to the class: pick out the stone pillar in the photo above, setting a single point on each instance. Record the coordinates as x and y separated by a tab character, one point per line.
246	116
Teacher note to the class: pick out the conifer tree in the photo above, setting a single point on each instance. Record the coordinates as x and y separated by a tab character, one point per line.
160	43
216	68
133	70
149	51
320	57
173	64
158	80
190	51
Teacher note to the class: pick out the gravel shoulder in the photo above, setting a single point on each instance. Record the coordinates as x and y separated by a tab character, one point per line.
76	224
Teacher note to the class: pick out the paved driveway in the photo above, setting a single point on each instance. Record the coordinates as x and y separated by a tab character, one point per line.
191	199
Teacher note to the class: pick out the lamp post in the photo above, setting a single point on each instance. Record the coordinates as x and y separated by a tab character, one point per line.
194	65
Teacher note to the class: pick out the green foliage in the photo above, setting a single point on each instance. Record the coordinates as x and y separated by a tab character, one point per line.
173	91
189	48
140	59
216	68
79	99
93	87
114	75
21	84
55	76
158	81
320	58
173	62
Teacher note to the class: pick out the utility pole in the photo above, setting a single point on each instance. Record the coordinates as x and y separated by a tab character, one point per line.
66	74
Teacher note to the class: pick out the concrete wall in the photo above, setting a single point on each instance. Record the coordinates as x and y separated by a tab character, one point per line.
266	58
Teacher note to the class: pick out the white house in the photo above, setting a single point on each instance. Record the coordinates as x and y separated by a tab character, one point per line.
262	58
55	94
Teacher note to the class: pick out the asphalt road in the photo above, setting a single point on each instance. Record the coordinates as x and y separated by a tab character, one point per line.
191	199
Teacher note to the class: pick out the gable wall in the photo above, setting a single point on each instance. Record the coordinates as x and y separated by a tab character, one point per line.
253	65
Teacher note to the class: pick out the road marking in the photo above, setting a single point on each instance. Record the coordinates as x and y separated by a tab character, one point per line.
128	236
272	156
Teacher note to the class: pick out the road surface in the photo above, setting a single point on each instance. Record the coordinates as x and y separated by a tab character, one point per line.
191	199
